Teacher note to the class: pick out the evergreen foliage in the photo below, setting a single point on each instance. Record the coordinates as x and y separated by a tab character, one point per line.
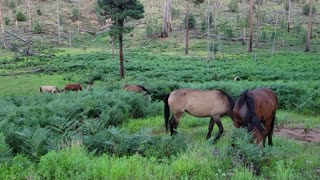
119	12
20	16
191	21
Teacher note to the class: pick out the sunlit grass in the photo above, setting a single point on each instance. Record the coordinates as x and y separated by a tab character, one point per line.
28	84
294	119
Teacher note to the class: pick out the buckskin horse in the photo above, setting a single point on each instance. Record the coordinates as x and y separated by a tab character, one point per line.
256	110
198	103
137	88
72	87
51	89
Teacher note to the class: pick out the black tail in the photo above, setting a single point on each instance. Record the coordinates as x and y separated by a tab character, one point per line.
144	89
166	112
272	123
251	108
40	89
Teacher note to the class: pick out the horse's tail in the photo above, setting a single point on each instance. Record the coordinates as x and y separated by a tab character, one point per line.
80	88
144	89
166	111
251	108
41	89
272	122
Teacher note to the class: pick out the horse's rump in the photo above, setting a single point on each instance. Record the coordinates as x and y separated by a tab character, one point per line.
255	109
135	88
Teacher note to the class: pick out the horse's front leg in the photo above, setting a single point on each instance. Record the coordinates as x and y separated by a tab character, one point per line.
218	122
211	124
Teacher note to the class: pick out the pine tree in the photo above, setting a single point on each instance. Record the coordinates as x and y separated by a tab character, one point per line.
119	12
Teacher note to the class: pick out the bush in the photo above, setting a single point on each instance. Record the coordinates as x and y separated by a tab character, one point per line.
233	6
37	28
12	4
191	21
305	9
149	31
175	13
20	16
6	20
75	14
39	12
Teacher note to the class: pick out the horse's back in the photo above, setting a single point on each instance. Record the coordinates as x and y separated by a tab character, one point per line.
265	100
200	103
132	88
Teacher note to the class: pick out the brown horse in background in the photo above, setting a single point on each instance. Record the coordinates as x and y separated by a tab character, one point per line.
256	110
136	88
51	89
72	87
199	103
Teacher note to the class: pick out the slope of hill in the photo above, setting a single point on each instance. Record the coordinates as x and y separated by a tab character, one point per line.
81	17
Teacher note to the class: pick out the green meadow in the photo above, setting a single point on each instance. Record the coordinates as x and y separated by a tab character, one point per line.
107	133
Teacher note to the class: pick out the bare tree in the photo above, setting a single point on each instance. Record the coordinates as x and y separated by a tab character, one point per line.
30	28
259	20
2	27
309	26
208	34
251	25
166	23
187	28
58	22
275	34
289	15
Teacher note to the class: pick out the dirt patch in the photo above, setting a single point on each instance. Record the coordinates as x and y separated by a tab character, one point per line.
302	134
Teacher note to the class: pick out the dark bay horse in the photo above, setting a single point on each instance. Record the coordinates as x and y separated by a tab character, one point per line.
199	103
256	110
136	88
72	87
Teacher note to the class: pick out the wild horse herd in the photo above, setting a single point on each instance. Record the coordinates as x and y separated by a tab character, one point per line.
254	109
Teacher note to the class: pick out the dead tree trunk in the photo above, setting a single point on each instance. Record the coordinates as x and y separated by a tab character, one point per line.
58	23
2	27
121	56
30	30
289	15
258	28
244	36
166	24
309	26
208	40
275	35
187	29
251	25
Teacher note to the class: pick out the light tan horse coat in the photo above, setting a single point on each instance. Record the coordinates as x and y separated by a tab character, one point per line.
51	89
199	103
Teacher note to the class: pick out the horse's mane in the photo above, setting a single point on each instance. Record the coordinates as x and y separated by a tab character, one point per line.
143	88
230	99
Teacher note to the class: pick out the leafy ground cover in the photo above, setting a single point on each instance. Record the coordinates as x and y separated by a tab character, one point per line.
108	133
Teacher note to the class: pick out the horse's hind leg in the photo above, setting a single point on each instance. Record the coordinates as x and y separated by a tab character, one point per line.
174	121
218	122
211	124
